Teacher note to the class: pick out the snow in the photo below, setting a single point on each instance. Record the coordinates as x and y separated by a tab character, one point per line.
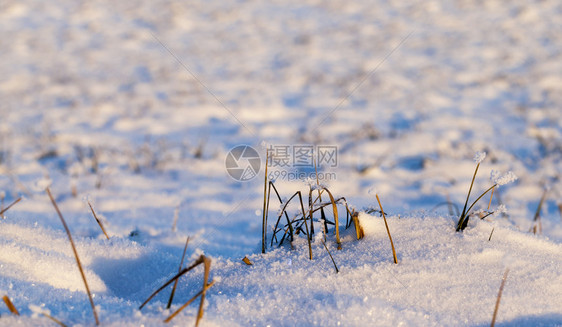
479	157
498	178
135	106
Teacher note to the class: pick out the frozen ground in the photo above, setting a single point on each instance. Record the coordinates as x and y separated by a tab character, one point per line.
136	105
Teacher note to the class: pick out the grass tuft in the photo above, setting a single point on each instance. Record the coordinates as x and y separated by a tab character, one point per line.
303	220
496	179
75	255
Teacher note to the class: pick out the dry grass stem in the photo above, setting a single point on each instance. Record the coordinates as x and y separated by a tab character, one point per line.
186	304
98	220
207	263
171	280
55	320
387	230
75	255
9	206
537	217
179	270
499	297
358	229
10	305
333	261
265	202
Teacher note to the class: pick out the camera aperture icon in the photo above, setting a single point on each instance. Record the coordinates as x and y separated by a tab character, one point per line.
243	163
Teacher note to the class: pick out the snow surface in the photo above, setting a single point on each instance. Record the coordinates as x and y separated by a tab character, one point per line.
134	105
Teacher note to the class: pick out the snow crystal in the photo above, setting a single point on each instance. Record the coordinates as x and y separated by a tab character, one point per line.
500	209
499	179
42	184
479	156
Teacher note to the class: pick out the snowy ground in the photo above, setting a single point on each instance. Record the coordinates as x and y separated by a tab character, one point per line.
136	105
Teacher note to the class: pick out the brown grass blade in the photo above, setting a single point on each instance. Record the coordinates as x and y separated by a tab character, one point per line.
537	217
10	305
207	263
336	219
358	229
499	297
387	230
9	206
171	280
186	304
291	233
97	220
179	270
491	196
322	214
75	255
265	198
247	261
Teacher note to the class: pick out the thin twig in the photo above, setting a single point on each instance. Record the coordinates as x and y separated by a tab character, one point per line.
75	255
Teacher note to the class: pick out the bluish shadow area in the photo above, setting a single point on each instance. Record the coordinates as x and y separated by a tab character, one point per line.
550	320
133	279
